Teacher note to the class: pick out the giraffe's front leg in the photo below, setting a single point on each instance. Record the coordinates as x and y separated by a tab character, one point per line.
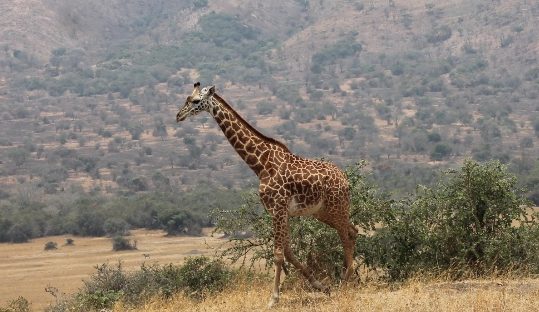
279	261
280	234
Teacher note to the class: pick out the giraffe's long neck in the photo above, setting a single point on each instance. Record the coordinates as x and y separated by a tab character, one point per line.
259	152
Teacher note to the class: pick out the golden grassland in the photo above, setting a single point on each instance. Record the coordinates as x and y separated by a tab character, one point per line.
27	269
471	295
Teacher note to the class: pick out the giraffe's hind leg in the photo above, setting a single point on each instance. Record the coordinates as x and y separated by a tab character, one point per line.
347	234
304	271
348	238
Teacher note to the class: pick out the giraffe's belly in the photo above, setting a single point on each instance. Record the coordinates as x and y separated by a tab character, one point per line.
304	209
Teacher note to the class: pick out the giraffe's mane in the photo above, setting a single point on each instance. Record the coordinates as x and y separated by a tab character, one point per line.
251	128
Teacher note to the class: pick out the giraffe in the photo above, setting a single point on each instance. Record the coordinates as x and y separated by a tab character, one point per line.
289	184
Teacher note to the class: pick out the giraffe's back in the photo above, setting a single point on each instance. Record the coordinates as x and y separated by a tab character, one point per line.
309	187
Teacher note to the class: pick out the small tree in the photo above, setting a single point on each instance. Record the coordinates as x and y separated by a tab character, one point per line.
116	227
440	152
18	156
50	246
463	224
121	243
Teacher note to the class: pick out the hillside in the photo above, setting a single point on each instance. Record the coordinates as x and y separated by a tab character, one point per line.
89	91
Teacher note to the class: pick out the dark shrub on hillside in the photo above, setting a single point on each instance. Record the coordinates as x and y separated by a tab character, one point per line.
440	152
439	34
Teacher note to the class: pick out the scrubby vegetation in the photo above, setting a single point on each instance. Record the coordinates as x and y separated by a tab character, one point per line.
120	243
197	278
17	305
472	222
50	246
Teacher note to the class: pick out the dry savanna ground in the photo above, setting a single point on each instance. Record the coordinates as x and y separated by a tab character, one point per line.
27	269
476	295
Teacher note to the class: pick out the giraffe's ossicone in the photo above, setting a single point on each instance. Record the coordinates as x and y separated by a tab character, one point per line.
289	184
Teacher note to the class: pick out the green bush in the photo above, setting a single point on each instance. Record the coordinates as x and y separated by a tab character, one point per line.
440	152
265	108
20	304
225	30
103	289
111	283
201	275
116	227
121	243
200	4
50	246
463	224
439	34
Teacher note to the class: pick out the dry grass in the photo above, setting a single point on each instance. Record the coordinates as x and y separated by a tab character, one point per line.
476	295
26	269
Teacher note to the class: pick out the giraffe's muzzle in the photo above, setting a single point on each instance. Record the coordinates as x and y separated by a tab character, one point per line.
181	116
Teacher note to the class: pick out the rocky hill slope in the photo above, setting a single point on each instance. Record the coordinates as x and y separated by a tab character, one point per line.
89	90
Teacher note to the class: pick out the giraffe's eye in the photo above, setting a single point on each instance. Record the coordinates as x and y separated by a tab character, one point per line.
196	101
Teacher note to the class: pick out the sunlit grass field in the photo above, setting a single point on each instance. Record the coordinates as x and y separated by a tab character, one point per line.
27	269
473	295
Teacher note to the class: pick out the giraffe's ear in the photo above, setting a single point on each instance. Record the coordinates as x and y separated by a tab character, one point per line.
197	84
211	91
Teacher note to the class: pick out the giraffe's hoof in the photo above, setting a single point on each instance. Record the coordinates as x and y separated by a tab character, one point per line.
273	302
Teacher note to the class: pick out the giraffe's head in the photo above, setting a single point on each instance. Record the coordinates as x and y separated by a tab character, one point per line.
198	101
